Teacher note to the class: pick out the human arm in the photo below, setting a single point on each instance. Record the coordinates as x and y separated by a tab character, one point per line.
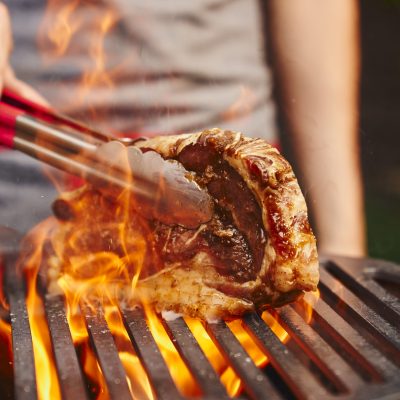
315	49
7	75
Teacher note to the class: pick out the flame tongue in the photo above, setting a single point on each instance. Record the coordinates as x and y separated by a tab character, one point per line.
163	189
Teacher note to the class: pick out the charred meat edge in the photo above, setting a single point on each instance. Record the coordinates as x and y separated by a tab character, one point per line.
290	261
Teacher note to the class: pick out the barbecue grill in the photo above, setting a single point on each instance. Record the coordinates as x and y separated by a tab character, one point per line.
350	350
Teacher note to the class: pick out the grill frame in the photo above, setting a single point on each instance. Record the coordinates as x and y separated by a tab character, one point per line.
354	343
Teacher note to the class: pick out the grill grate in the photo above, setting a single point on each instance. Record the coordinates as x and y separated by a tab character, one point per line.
150	355
350	351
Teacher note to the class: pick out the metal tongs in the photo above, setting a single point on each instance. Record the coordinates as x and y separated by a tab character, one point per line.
161	189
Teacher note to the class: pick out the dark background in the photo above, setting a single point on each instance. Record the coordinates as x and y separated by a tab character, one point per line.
380	124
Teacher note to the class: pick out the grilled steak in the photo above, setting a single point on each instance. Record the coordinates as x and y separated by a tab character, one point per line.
258	250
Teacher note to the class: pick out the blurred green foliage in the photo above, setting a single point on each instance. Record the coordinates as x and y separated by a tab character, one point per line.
383	220
393	2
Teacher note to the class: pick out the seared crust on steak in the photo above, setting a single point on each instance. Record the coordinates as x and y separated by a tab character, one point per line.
290	254
261	220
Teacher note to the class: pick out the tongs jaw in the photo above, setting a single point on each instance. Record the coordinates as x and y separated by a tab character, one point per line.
161	189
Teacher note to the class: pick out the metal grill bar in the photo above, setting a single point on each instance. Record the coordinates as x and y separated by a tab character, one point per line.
350	273
389	391
385	336
195	359
255	382
347	342
328	361
22	347
69	372
301	382
107	354
148	352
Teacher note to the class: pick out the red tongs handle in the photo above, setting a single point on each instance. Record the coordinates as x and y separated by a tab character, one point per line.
52	138
8	120
45	135
44	114
22	103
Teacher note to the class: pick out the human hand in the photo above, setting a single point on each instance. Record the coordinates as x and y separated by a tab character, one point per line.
7	76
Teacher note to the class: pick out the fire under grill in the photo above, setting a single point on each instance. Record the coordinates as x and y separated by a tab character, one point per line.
350	349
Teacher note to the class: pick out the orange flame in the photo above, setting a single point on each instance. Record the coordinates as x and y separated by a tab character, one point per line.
179	372
91	367
305	306
309	301
5	327
44	362
98	277
98	76
59	25
85	273
275	326
93	372
5	330
63	24
229	378
3	302
138	382
6	355
252	349
5	334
